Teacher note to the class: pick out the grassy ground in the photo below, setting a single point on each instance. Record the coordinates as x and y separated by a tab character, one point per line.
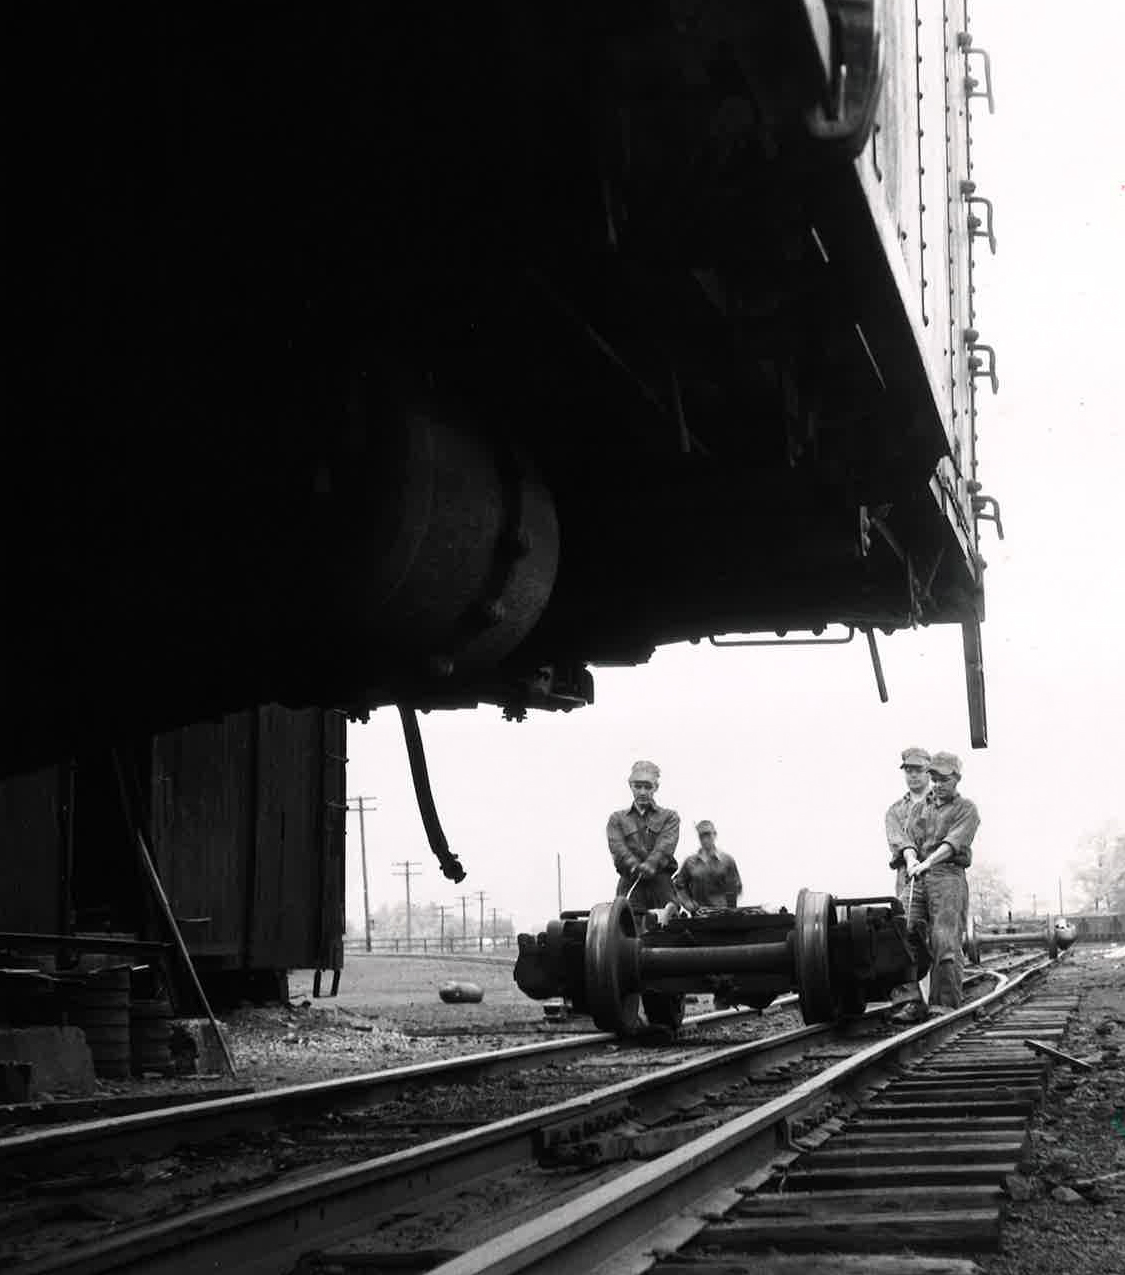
404	989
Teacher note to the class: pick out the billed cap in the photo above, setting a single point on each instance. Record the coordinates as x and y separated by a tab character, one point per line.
645	770
945	764
915	757
705	825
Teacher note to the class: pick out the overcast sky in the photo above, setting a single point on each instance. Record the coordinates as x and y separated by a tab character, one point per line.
790	751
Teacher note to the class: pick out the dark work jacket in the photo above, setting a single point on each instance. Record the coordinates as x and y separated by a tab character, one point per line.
649	838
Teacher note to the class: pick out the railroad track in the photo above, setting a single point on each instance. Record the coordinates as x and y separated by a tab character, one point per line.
588	1137
62	1184
195	1122
904	1146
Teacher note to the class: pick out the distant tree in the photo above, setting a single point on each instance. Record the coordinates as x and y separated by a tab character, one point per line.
990	895
1098	870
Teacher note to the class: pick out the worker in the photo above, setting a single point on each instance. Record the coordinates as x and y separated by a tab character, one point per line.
915	766
709	877
642	840
942	827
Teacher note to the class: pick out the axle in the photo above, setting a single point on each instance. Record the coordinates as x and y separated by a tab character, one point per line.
1055	934
612	962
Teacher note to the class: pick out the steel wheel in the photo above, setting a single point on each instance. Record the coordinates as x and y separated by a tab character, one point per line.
610	962
819	1004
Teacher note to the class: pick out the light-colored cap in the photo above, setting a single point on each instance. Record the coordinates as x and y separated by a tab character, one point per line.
915	757
645	770
704	825
945	764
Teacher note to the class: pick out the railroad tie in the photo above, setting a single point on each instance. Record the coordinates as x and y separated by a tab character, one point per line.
920	1165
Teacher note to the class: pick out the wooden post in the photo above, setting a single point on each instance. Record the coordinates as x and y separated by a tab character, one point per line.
185	956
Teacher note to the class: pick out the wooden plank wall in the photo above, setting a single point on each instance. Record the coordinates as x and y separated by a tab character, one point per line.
32	852
202	822
248	832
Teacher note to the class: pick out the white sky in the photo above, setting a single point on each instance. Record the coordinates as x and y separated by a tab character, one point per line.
790	751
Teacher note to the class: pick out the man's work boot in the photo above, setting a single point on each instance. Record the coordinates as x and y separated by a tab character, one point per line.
908	1014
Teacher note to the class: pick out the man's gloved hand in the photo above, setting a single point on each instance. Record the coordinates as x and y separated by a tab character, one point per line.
647	871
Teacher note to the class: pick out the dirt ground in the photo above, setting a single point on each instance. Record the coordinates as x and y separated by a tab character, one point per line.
1067	1215
388	1013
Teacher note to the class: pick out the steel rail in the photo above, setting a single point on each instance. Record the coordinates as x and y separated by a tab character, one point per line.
590	1230
152	1132
267	1229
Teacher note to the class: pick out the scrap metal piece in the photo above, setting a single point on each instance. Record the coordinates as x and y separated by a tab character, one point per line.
1039	1047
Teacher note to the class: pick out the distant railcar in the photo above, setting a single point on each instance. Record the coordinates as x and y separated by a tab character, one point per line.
1098	927
244	819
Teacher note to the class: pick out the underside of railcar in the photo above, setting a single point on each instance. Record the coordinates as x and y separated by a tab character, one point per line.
362	352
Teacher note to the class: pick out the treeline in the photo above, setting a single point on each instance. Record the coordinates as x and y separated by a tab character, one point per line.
1098	872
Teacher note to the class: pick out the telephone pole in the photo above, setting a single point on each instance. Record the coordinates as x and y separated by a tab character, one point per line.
558	879
493	929
464	920
363	863
443	908
480	932
406	865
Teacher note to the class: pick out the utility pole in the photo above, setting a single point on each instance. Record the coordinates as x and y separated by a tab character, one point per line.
1060	897
480	932
443	908
558	879
493	929
1034	901
363	862
464	920
406	865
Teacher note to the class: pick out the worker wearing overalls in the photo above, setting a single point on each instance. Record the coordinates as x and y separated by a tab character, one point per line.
942	828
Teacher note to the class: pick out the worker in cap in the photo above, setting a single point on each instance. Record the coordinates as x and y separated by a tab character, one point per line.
943	828
709	878
915	767
642	841
901	841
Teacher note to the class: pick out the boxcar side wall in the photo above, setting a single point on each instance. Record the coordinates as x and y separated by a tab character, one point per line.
33	852
249	840
247	830
912	171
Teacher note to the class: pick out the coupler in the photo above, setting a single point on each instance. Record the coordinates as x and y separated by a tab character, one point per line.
626	967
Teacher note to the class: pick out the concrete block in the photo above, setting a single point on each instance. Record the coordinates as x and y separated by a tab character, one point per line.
59	1056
